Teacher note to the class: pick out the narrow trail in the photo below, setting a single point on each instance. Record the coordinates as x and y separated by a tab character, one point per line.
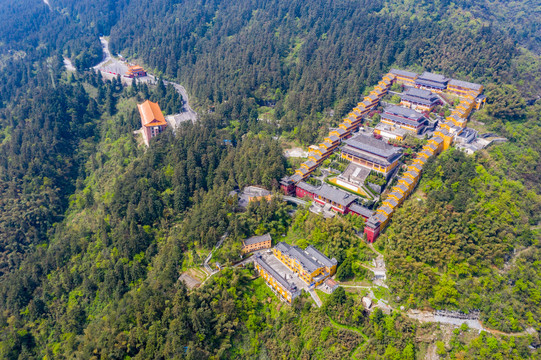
359	347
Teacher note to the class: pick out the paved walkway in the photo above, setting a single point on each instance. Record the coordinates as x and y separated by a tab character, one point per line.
316	298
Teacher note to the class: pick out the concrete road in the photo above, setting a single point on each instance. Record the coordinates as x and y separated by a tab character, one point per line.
106	53
111	67
187	114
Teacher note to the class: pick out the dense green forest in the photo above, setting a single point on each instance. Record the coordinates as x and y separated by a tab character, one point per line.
95	229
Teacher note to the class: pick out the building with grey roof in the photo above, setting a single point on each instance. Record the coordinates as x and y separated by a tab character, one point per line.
360	210
371	153
392	202
431	81
404	74
419	98
338	199
280	286
460	86
256	243
310	264
405	118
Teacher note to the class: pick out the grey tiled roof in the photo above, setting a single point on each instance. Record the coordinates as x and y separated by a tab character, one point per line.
404	112
304	171
387	209
465	84
403	73
373	221
296	178
334	138
407	180
392	201
412	173
310	259
320	257
432	80
397	194
361	210
433	77
401	120
367	103
257	239
348	126
327	144
347	149
426	152
444	131
372	97
419	96
338	196
307	187
374	146
402	187
291	288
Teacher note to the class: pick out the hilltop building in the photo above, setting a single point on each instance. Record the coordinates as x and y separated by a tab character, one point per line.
431	81
405	118
135	71
372	153
286	290
325	194
419	99
256	243
152	120
253	193
463	88
405	77
310	264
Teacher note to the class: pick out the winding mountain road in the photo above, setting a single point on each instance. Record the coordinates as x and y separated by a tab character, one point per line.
111	67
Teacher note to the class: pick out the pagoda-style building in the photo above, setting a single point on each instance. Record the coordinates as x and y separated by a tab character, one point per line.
135	71
152	120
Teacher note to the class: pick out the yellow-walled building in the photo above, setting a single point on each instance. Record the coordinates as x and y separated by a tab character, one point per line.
285	290
310	264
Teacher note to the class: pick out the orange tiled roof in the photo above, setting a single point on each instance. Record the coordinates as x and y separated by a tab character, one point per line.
151	115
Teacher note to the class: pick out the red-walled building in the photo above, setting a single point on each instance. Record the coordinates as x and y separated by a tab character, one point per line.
360	210
374	225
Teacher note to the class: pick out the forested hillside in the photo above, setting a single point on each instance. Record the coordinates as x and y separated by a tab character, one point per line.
95	229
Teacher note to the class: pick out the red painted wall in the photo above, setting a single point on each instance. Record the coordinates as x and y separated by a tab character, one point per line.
302	193
371	233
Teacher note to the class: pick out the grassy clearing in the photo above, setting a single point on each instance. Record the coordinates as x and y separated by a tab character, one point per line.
322	295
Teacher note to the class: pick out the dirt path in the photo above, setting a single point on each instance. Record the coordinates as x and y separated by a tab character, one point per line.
354	329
